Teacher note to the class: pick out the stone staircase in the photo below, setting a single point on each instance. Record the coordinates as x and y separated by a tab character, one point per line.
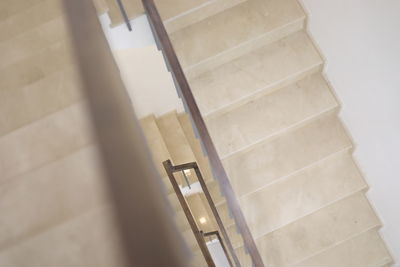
256	76
171	136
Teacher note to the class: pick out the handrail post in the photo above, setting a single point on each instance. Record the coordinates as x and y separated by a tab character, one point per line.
196	231
219	172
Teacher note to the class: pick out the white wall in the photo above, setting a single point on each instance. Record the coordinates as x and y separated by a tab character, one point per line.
360	40
142	68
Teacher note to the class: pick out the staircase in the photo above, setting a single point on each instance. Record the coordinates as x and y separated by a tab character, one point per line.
257	78
171	136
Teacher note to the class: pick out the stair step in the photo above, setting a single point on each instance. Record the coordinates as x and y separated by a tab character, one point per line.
51	94
33	40
293	150
255	74
176	14
156	144
195	145
302	193
89	240
36	67
133	9
45	140
101	6
53	190
11	7
175	139
234	32
29	17
367	249
270	114
318	231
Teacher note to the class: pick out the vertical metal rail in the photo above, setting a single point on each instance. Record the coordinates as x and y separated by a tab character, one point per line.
196	231
195	167
124	15
183	87
221	241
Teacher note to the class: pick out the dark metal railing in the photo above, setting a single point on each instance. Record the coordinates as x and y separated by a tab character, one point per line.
124	14
170	169
185	92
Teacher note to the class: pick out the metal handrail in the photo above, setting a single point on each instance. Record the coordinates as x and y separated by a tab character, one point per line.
185	92
170	169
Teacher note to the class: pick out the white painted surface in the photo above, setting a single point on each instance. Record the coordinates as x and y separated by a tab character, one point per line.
142	67
217	254
120	38
148	81
360	40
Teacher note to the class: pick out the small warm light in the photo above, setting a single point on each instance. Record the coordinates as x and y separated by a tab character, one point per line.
187	172
203	220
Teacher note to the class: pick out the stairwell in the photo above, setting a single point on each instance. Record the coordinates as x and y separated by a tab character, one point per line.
258	80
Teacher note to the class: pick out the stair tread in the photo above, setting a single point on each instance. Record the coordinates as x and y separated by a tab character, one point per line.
234	27
29	18
195	145
91	239
156	143
175	139
270	114
256	73
176	14
265	162
45	140
367	249
37	66
318	231
53	190
56	91
303	193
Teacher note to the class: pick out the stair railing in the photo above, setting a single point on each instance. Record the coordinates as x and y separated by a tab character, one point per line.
170	170
184	90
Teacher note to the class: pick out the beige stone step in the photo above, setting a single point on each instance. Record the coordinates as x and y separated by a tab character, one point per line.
11	7
37	66
89	240
177	144
45	140
318	231
176	14
234	32
101	6
29	17
367	249
195	145
291	151
270	114
50	195
175	139
155	142
256	74
39	99
32	41
302	193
